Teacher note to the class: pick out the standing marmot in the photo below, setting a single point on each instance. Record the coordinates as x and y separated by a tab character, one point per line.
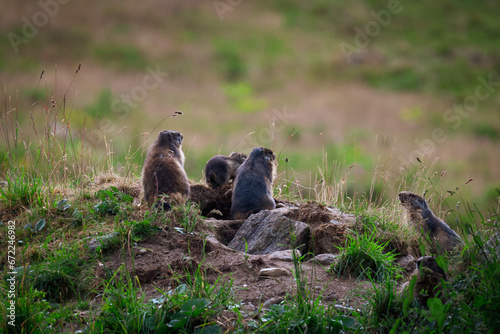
253	185
422	218
429	277
163	172
221	169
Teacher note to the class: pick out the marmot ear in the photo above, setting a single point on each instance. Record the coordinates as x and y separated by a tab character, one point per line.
179	139
267	158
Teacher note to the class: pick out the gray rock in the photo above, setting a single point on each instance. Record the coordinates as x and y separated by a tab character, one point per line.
285	255
407	262
269	231
141	251
325	259
273	272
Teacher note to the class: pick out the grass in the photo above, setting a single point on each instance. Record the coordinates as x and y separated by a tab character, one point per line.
52	154
59	281
363	257
302	312
59	278
22	191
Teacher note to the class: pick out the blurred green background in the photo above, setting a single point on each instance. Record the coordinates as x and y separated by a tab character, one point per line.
354	90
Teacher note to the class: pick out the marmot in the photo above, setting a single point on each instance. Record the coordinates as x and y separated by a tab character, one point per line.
163	172
429	277
221	169
253	185
422	218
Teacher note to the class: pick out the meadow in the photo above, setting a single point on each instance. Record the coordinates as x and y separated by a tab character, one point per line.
358	101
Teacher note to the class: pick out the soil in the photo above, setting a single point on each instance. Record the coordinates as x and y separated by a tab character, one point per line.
159	261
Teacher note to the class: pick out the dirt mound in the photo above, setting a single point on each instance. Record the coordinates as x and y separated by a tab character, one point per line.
311	213
165	260
213	203
132	187
326	238
328	226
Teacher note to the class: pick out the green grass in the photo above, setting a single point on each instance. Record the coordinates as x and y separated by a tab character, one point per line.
22	190
363	257
58	282
302	312
258	52
62	275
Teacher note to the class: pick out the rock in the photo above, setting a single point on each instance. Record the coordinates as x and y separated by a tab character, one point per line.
273	272
269	231
285	208
325	259
272	301
407	263
285	255
213	243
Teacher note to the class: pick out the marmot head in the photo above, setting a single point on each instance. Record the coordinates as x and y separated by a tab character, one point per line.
171	139
263	153
428	267
238	157
412	201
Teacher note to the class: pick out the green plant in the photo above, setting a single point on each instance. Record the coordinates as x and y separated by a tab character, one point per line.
124	308
304	312
112	202
31	308
364	257
59	276
144	228
185	309
187	217
22	190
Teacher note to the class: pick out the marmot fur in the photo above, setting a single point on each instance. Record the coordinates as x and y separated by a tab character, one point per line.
442	237
163	172
253	185
221	169
429	276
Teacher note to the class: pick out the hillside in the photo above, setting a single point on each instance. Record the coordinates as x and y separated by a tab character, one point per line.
359	101
97	260
275	75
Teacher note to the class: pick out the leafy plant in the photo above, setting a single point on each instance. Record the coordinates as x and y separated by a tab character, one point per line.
112	201
187	309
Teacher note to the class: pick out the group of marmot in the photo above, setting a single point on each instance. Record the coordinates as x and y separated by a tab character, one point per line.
164	178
